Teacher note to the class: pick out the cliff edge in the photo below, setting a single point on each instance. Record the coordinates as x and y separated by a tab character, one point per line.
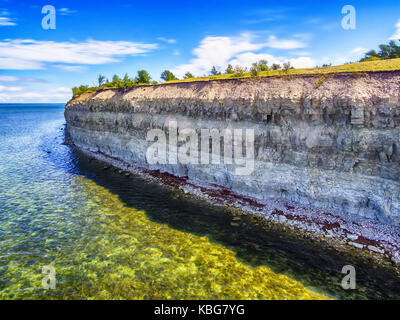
330	142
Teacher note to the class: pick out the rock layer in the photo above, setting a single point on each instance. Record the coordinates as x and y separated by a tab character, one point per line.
329	142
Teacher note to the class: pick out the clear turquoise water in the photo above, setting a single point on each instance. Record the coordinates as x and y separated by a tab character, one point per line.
113	237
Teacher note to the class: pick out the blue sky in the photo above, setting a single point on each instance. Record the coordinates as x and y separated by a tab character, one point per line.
118	37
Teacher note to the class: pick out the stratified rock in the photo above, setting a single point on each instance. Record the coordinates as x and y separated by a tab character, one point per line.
335	147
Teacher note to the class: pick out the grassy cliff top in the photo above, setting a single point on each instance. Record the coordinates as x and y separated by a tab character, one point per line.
368	66
379	65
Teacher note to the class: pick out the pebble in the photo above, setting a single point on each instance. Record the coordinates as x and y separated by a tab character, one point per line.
376	249
396	258
352	236
282	219
357	245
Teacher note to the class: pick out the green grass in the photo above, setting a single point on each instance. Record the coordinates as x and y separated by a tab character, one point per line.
379	65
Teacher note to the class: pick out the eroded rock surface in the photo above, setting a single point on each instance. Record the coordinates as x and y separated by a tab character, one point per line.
331	143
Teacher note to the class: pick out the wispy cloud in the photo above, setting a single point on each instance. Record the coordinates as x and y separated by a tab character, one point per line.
5	20
274	42
170	41
10	89
21	79
396	35
23	94
358	50
265	15
32	54
66	11
242	50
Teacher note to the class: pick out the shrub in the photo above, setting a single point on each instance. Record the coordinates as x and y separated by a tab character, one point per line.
255	70
276	66
76	91
239	71
260	66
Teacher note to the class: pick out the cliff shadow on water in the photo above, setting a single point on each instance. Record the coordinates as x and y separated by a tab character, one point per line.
314	263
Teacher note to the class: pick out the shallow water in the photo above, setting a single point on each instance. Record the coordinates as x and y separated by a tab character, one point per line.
113	237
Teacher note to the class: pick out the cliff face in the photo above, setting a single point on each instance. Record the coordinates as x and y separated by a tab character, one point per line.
330	142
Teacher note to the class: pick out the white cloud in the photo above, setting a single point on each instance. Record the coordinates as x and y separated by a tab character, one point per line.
31	95
6	21
32	54
396	35
358	51
10	89
275	43
170	41
71	68
8	78
241	50
66	11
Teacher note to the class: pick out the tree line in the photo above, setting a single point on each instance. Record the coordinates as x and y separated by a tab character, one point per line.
144	78
386	51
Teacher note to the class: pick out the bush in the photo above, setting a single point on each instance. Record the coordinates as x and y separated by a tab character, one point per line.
239	71
76	91
260	66
255	71
276	66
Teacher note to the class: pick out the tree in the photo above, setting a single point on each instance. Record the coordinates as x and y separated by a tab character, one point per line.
229	69
276	66
127	82
260	66
215	72
143	77
387	51
255	70
116	81
263	65
287	66
101	80
188	75
168	76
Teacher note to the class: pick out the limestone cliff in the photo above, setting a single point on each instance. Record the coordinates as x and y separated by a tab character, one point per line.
330	142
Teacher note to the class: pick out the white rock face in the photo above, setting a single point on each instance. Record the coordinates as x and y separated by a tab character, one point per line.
335	147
